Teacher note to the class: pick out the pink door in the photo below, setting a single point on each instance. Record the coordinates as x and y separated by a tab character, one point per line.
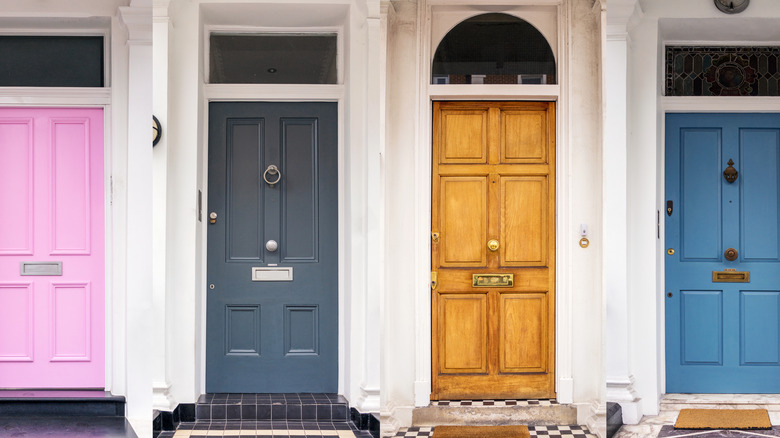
51	248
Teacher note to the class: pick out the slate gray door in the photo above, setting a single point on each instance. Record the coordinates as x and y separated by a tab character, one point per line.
272	313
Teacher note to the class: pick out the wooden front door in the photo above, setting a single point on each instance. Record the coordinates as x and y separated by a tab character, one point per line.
493	307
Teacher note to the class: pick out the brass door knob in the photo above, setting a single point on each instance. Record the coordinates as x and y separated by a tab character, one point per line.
493	244
731	254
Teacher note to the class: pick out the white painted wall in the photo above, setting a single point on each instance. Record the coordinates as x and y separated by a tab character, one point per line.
636	312
128	171
360	198
406	365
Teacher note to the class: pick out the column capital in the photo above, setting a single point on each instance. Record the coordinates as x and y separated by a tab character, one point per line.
138	22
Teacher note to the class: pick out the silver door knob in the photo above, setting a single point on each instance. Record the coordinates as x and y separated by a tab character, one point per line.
271	245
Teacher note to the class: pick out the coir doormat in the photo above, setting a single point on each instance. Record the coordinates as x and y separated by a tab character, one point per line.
481	432
723	419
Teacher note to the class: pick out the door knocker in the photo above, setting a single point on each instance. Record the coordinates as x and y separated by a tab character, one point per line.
730	173
273	171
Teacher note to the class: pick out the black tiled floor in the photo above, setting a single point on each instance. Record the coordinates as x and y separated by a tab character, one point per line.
252	428
65	427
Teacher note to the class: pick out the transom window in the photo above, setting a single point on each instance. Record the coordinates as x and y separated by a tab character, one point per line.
273	58
722	71
51	61
494	49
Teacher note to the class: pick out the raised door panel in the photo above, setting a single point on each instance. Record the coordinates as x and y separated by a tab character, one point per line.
245	197
759	322
17	315
463	136
300	201
523	333
463	207
700	200
70	189
524	224
702	327
523	137
760	192
16	186
463	333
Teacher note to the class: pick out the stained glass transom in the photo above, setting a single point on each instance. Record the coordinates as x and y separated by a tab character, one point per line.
722	71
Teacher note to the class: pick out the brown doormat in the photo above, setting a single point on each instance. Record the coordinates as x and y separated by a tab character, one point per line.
723	419
481	432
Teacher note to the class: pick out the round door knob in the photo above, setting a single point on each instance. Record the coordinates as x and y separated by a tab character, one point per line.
731	254
493	244
271	245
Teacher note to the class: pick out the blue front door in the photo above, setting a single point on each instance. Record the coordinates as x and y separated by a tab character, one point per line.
722	315
272	307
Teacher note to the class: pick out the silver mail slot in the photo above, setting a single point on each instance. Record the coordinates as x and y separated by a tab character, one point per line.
41	268
272	274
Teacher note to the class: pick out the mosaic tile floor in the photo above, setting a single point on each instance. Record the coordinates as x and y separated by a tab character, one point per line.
263	429
536	431
455	403
670	431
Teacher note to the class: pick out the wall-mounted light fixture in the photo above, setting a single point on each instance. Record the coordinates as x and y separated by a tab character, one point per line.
732	6
156	131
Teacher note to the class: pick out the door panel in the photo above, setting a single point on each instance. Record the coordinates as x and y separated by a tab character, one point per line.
272	336
465	200
464	136
523	137
722	337
493	342
52	210
524	221
464	335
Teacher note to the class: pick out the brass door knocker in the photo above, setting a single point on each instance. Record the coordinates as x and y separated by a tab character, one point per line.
730	173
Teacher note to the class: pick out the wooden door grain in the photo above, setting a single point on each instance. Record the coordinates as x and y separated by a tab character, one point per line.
493	179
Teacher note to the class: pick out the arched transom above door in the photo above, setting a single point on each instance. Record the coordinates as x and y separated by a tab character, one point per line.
494	48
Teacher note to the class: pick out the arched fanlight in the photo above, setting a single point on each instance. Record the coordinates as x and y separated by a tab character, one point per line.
494	48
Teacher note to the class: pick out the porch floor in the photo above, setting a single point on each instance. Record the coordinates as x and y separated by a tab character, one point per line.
662	425
536	431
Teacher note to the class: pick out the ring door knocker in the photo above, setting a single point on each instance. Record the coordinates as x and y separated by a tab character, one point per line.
272	171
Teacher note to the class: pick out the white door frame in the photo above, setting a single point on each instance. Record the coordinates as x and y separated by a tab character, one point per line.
558	93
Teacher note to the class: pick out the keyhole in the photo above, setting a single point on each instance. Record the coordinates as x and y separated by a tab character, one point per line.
669	294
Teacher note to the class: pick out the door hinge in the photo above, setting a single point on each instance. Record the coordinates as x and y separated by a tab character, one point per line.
434	280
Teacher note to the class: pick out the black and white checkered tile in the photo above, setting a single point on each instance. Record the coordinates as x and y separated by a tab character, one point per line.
455	403
536	431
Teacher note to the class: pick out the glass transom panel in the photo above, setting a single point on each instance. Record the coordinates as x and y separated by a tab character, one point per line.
273	59
722	71
494	49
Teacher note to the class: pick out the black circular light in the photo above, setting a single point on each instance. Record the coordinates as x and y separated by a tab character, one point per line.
156	131
732	6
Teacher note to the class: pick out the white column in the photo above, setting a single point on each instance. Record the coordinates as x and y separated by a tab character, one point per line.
137	18
615	209
369	387
161	383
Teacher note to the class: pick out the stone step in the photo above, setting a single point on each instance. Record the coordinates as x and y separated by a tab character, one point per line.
281	407
531	415
675	402
61	403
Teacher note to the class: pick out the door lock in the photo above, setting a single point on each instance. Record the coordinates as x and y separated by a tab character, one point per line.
213	217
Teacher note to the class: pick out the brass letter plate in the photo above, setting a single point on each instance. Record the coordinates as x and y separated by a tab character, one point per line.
728	276
494	280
